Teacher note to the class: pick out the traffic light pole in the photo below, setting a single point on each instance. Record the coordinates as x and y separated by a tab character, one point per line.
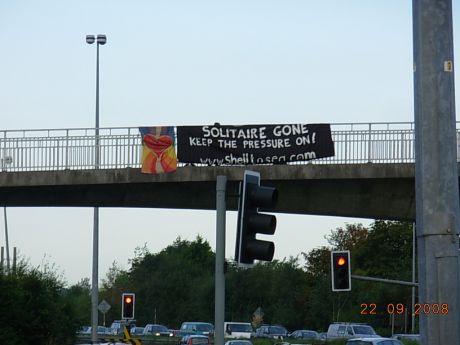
219	306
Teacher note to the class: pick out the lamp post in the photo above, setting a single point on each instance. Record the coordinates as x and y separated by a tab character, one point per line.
100	40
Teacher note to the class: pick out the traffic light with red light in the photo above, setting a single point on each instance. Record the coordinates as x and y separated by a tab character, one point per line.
127	305
251	222
341	270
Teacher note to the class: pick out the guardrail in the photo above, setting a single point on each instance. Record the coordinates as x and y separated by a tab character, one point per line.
75	149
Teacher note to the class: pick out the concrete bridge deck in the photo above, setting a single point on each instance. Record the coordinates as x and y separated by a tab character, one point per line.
370	190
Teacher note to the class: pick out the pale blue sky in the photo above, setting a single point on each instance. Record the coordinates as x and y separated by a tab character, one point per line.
177	62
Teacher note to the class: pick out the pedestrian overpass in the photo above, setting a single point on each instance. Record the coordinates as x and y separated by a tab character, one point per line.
371	175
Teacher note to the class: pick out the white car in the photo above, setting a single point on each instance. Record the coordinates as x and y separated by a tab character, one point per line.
238	329
350	330
373	341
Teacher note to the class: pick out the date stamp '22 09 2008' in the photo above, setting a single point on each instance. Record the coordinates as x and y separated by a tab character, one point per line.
400	308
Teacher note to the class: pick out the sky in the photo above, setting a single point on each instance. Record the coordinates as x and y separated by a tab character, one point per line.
194	62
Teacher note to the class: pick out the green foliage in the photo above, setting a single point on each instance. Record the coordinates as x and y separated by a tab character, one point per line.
78	297
279	288
171	285
34	309
177	284
384	251
410	342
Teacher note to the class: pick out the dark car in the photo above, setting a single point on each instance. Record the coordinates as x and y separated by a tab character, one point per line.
304	334
200	328
273	332
194	339
157	330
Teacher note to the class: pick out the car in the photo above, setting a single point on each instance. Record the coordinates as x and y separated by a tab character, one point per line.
200	328
237	329
270	331
304	334
83	329
118	325
373	341
158	330
407	336
238	342
350	330
101	330
194	339
136	330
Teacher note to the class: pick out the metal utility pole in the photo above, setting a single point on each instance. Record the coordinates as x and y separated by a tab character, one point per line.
436	172
219	306
100	40
413	280
7	242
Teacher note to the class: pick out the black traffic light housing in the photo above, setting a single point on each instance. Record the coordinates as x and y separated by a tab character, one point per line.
341	270
251	221
128	300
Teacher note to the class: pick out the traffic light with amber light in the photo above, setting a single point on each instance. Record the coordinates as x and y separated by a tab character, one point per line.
127	305
251	222
341	270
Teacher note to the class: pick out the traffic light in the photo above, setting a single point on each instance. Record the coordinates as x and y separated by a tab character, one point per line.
127	305
341	270
250	222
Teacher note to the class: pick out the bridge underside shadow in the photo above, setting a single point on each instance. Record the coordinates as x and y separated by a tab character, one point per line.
376	191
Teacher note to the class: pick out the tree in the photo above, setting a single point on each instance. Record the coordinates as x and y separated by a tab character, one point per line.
79	297
34	308
382	250
279	288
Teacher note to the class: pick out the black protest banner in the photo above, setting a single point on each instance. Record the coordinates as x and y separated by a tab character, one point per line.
253	144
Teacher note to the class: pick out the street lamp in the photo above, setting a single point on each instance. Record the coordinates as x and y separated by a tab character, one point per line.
100	40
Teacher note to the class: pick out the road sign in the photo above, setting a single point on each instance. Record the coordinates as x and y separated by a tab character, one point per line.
104	307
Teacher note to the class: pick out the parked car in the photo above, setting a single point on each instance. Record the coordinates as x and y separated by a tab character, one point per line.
373	341
407	336
304	334
238	342
118	325
200	328
350	330
83	330
194	339
136	330
238	329
101	330
158	330
273	332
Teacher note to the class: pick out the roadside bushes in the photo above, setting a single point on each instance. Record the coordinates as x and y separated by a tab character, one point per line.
33	309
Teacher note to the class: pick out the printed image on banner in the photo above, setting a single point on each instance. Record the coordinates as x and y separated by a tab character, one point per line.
158	151
253	144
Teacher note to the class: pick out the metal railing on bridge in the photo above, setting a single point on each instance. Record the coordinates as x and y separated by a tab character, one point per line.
60	149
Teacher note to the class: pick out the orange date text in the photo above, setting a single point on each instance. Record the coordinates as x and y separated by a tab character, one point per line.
400	308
